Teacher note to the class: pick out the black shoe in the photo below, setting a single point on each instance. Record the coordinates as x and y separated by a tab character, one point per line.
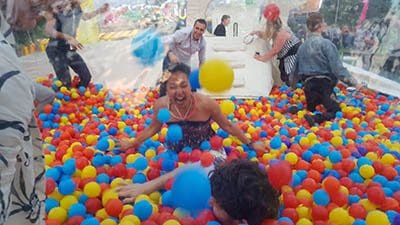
310	120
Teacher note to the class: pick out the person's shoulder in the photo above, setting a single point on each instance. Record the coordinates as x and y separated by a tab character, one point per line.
184	31
161	102
204	100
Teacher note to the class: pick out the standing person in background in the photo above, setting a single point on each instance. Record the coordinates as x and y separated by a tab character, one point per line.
63	19
285	43
220	30
183	44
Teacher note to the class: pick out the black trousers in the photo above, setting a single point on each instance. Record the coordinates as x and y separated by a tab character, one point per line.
62	59
320	91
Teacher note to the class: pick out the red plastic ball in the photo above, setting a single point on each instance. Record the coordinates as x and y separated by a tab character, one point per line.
357	211
376	195
206	159
319	213
93	205
114	207
280	174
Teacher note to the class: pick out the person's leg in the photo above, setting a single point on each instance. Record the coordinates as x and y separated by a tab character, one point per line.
312	94
59	61
79	66
330	102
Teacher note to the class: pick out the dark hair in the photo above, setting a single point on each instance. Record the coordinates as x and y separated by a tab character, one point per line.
314	21
243	190
202	21
225	17
180	67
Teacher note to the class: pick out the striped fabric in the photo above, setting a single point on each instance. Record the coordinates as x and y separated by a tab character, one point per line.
290	60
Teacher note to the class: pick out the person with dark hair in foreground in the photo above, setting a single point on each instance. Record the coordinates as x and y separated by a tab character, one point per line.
183	44
319	68
220	29
241	193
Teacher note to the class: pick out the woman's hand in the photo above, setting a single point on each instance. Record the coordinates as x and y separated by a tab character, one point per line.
259	58
257	32
259	146
124	144
129	192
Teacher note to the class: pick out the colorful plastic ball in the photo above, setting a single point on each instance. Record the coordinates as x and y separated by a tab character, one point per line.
171	222
216	76
194	79
50	203
213	223
90	221
89	172
139	178
276	142
337	141
331	184
103	144
108	222
376	195
292	158
92	189
67	201
304	221
335	156
367	171
140	163
321	197
271	12
227	107
163	115
280	174
143	209
359	222
187	197
377	217
76	209
66	187
59	214
114	207
339	216
174	133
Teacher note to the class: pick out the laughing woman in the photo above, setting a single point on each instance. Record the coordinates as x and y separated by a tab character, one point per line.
193	112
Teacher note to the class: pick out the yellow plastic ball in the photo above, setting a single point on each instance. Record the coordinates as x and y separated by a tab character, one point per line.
372	156
227	107
291	158
56	195
377	218
339	216
92	189
216	76
181	213
368	205
58	214
337	141
304	141
102	214
227	142
171	222
108	222
67	201
111	144
116	181
303	194
367	171
149	154
304	221
107	195
130	219
91	139
58	83
89	172
388	159
303	212
155	197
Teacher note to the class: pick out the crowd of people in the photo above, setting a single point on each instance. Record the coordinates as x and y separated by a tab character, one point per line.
315	63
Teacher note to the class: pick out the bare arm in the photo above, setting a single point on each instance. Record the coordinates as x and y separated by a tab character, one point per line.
130	191
278	45
89	15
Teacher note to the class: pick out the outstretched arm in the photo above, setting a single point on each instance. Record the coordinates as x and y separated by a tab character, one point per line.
89	15
276	48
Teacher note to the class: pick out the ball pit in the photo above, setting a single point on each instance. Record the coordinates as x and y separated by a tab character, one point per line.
347	168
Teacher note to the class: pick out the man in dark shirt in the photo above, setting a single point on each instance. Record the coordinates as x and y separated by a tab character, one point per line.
220	29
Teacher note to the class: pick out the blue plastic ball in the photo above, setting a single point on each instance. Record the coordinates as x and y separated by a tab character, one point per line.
103	178
143	209
163	115
167	164
66	187
194	79
76	209
50	203
321	197
140	163
90	221
335	156
276	142
187	197
69	167
174	133
102	144
116	159
139	178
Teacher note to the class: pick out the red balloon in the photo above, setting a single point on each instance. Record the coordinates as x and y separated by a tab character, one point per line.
319	213
75	220
340	198
347	182
206	159
52	222
376	195
183	156
216	142
93	205
390	204
310	185
280	174
271	12
153	173
357	211
195	155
